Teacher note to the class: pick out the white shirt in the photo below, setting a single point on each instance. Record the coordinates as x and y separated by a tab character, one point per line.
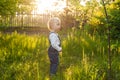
55	41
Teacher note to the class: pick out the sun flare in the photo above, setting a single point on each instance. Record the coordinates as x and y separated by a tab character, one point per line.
83	3
42	6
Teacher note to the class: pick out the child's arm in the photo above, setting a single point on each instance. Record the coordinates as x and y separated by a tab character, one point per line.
55	42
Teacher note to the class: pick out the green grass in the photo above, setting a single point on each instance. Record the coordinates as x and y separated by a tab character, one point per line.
84	57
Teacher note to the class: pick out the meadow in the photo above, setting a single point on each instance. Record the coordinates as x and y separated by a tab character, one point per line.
84	57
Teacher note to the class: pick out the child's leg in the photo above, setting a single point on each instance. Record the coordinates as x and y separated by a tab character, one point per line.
54	60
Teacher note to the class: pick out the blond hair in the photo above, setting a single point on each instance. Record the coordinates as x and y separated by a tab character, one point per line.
52	22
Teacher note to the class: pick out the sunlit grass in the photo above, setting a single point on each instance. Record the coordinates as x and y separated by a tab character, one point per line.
84	57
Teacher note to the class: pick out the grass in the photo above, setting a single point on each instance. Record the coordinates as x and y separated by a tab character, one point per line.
84	57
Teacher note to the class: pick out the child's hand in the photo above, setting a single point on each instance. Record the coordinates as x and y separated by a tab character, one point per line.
60	53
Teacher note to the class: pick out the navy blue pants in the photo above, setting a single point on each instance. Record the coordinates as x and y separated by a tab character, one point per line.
54	59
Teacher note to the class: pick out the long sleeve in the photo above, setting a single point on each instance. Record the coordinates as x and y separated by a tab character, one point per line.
55	42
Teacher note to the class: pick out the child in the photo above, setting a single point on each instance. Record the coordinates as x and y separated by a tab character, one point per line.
55	48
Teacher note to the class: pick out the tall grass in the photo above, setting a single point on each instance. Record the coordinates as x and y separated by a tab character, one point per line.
23	57
84	57
88	56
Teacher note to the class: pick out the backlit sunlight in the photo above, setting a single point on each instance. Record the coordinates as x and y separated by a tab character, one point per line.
83	3
42	6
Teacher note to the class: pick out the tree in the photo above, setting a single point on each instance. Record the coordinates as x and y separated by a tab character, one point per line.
8	7
113	9
13	6
114	16
86	14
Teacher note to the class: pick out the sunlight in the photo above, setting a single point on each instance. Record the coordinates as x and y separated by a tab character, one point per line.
83	3
43	6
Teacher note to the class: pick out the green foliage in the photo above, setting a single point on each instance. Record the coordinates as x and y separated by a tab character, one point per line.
25	6
13	6
7	6
10	10
114	19
74	2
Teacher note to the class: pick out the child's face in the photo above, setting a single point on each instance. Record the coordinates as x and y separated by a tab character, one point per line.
57	26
